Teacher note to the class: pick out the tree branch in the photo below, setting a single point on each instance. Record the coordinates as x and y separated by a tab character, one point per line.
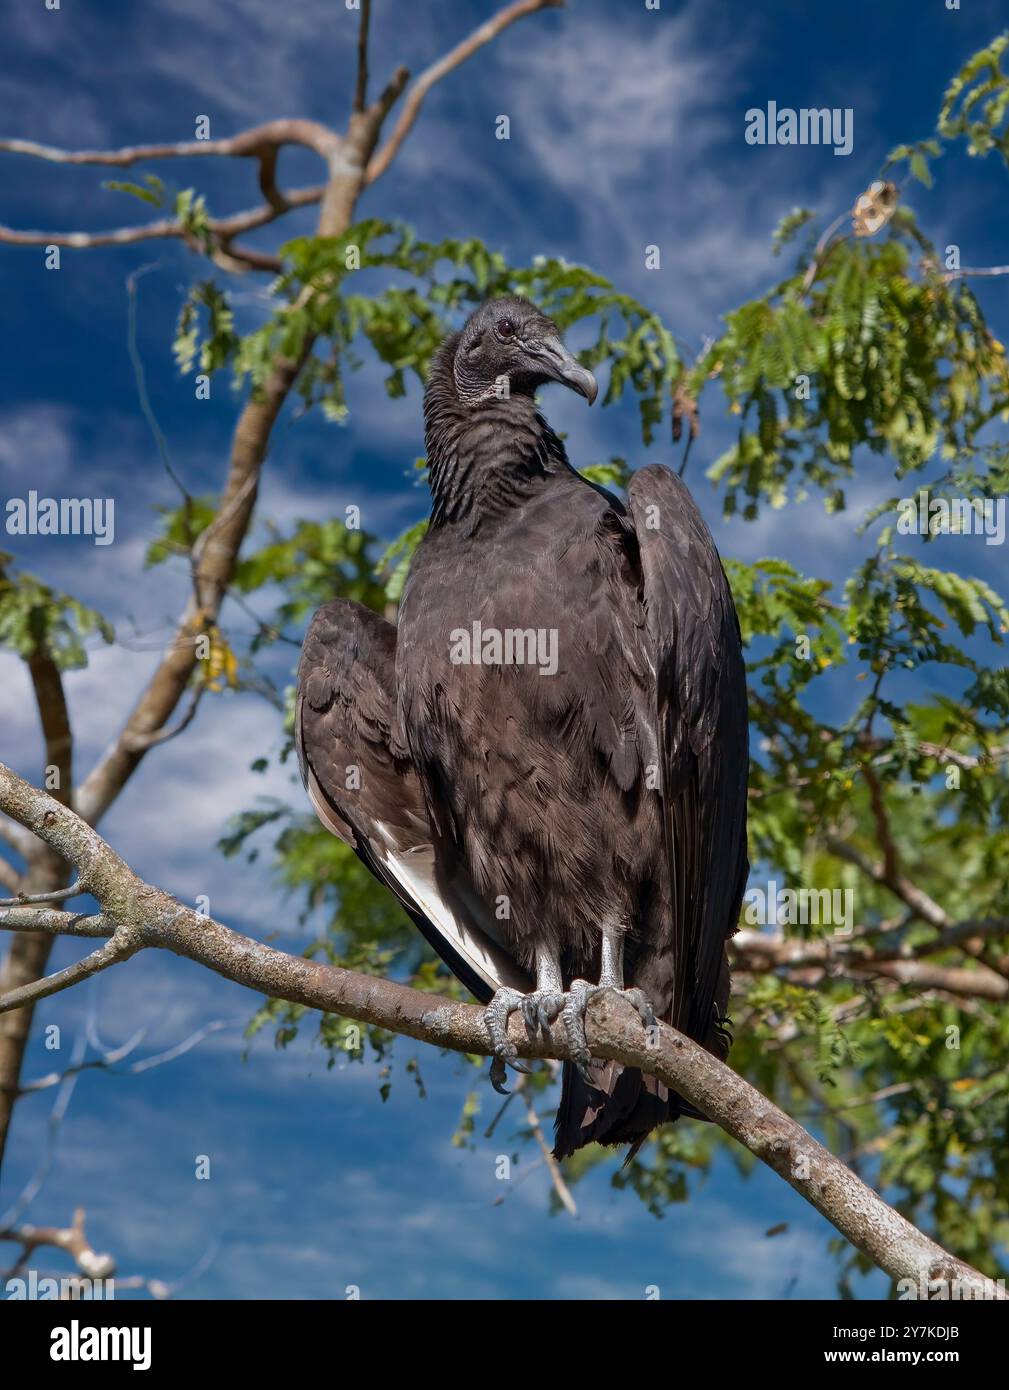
45	873
71	1238
54	923
361	91
148	917
120	946
223	230
58	895
247	144
553	1167
909	893
485	34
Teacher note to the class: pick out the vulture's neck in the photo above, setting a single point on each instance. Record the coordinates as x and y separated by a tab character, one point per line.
487	458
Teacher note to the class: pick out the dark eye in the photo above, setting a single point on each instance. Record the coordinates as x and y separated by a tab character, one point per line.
506	328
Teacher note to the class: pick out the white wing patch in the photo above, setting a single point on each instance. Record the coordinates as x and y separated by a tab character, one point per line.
413	870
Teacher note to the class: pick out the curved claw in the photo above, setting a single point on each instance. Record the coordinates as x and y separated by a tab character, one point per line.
645	1011
575	1004
498	1077
539	1009
582	1068
496	1016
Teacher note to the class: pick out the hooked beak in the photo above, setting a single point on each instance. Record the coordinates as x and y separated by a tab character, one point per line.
559	365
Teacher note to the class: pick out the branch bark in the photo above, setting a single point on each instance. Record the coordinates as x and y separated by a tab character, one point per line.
148	917
45	872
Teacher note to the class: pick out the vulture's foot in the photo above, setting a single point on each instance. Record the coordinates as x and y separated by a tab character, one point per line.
576	1001
496	1015
540	1008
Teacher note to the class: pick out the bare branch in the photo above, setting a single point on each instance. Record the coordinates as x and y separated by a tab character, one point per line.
247	144
480	37
553	1167
55	718
54	923
978	983
967	761
72	1239
222	230
26	960
760	951
57	896
9	876
891	859
149	917
361	90
109	1061
139	743
968	270
119	947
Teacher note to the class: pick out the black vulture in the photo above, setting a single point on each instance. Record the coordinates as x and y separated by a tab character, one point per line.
546	758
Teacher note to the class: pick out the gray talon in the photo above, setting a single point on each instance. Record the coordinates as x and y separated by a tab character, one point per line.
498	1076
550	1008
645	1011
496	1016
529	1014
575	1004
540	1008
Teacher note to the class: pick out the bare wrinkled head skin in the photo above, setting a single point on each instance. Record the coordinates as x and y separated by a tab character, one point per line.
510	340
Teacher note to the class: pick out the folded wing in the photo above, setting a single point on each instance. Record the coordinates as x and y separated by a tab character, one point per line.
702	731
364	789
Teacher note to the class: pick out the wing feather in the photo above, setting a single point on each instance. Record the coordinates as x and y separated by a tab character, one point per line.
702	729
364	788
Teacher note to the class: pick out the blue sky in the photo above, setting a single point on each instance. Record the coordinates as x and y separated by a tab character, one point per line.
627	129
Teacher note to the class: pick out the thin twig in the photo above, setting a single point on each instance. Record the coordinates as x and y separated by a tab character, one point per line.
57	896
117	948
485	34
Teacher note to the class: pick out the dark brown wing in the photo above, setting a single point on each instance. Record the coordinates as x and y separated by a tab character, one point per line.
365	790
702	729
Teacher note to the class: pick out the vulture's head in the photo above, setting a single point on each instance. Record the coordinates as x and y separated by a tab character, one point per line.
509	339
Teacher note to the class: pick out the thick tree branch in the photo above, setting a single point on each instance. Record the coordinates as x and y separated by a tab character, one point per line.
147	917
485	34
885	955
55	719
45	873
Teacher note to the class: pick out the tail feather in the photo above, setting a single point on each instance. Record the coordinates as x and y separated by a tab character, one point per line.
622	1106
